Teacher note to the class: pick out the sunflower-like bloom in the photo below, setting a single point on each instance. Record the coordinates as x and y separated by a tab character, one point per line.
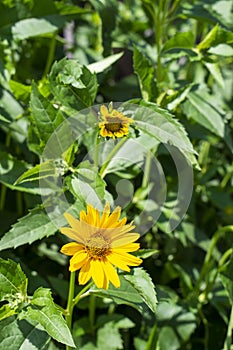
114	123
101	242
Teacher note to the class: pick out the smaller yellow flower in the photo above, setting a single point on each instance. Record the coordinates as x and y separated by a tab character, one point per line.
101	243
114	123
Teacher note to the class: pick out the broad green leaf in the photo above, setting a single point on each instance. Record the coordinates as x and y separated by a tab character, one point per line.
22	335
28	229
126	294
109	337
31	27
100	66
146	253
158	124
119	321
222	50
176	325
200	109
43	310
74	87
13	282
173	100
142	282
208	40
146	74
184	40
45	119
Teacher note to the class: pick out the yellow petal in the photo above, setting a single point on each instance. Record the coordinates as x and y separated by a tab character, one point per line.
74	223
78	260
97	273
71	233
111	273
128	259
85	273
115	260
131	247
71	248
113	218
124	239
105	215
103	110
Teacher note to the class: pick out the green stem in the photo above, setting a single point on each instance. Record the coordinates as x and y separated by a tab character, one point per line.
205	323
50	54
228	340
92	306
96	152
147	168
4	188
110	156
70	303
81	293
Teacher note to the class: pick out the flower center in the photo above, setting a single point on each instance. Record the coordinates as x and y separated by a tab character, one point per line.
113	126
97	247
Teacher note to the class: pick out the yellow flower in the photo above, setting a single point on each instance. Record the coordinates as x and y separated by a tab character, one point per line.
101	242
114	123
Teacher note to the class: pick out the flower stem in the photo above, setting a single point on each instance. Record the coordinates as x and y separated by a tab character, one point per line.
50	54
70	303
111	155
79	295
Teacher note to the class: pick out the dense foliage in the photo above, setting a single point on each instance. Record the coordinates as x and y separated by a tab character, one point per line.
168	64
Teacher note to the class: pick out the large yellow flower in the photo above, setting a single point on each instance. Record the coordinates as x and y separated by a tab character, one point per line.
101	242
114	123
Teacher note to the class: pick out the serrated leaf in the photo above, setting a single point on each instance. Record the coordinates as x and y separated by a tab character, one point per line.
13	282
100	66
146	74
66	94
142	282
198	108
159	124
45	119
21	335
28	229
6	311
126	294
43	310
20	91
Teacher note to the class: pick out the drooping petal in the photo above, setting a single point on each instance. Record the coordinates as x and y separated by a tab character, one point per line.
128	259
71	248
97	273
85	273
112	274
103	110
131	247
78	260
74	223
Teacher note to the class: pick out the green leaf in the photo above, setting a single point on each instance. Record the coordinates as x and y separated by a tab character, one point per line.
11	169
222	50
126	294
43	310
176	325
31	27
142	282
200	109
39	171
6	311
36	225
146	253
13	282
158	124
214	70
20	91
74	87
86	184
108	337
100	66
45	119
146	74
25	335
184	40
209	39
